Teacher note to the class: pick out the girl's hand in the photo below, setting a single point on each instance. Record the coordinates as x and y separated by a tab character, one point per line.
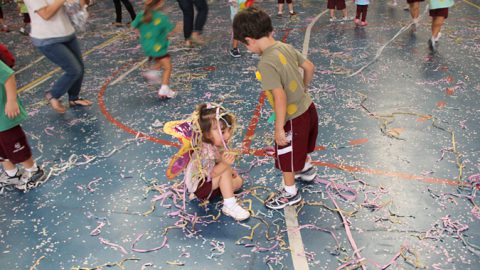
228	158
280	137
12	110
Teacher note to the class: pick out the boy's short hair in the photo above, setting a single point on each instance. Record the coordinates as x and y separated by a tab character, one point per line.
252	23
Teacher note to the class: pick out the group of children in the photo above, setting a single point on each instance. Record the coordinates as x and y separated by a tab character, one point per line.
210	171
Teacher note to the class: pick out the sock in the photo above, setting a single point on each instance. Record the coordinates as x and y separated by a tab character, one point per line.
229	202
34	168
292	190
164	87
11	173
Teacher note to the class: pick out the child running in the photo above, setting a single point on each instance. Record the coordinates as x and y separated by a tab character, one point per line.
210	173
154	27
296	120
14	148
362	8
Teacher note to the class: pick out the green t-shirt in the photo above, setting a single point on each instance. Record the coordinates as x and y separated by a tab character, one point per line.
279	68
153	35
5	122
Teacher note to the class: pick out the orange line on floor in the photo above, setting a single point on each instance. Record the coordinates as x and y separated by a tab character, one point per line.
111	119
400	175
247	141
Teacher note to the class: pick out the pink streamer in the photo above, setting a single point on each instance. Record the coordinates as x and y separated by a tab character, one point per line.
148	250
115	246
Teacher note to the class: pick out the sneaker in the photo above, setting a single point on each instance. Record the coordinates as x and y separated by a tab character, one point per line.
32	179
333	19
235	53
6	180
236	212
282	199
292	13
432	44
153	76
307	174
363	23
23	31
279	14
166	92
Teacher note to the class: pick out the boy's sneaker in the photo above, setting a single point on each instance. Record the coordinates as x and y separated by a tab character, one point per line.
333	19
432	44
292	13
23	31
153	76
235	53
236	212
6	180
166	92
279	14
281	199
307	175
32	179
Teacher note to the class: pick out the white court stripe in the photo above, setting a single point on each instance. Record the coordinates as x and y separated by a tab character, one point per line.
306	41
121	77
29	65
295	239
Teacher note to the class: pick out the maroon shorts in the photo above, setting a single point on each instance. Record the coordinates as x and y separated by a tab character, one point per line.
339	4
14	146
439	12
303	131
159	57
205	192
413	1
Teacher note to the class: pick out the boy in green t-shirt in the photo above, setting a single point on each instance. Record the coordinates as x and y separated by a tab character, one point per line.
296	121
14	147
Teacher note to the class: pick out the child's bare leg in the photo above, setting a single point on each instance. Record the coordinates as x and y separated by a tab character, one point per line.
225	182
437	23
235	43
288	178
280	8
166	65
8	166
332	13
29	163
345	13
290	7
237	181
414	9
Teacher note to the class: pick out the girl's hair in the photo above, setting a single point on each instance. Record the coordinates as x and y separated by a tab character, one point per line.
208	115
151	6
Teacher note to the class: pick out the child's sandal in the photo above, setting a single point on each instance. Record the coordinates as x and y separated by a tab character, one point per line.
80	102
56	105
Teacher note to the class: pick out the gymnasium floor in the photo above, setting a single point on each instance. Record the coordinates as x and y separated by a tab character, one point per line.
398	151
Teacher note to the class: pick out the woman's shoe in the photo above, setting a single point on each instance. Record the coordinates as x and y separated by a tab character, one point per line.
56	105
80	103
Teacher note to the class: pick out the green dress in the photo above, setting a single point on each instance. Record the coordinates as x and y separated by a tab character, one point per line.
154	35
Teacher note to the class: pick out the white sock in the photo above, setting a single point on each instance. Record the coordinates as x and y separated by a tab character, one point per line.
34	168
229	202
164	87
11	172
292	190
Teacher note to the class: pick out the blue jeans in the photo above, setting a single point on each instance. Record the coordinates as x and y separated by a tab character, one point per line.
68	56
188	16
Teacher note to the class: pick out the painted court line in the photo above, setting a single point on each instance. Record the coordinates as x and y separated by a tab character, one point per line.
295	239
136	66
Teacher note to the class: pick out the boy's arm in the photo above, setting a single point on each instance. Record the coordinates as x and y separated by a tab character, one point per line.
280	108
11	107
308	69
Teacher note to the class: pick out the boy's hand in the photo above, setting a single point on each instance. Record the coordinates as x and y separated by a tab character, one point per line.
12	110
280	137
228	158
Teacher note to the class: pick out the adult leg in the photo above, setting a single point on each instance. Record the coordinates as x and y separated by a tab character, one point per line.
188	15
118	11
74	91
202	12
129	8
61	55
